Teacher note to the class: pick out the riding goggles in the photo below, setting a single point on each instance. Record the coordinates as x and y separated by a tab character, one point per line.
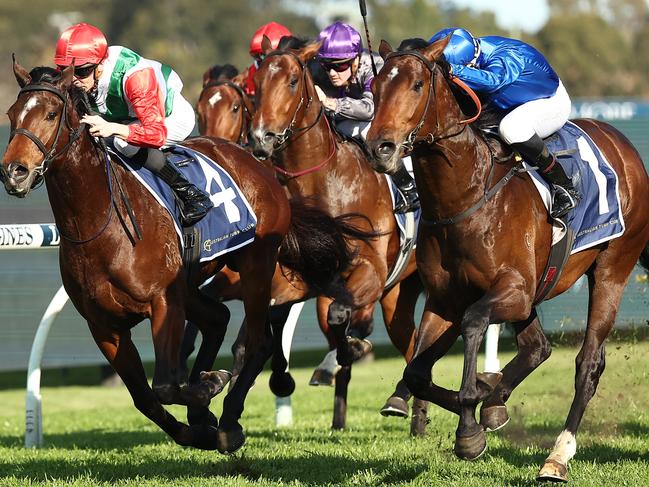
83	72
337	66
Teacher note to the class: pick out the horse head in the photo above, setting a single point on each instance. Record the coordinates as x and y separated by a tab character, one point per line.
42	120
224	110
413	95
284	92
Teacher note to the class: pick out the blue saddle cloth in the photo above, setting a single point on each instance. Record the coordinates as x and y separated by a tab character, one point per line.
598	217
229	225
397	198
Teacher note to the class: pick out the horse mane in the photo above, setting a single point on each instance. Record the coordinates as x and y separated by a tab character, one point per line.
45	74
221	72
292	42
490	115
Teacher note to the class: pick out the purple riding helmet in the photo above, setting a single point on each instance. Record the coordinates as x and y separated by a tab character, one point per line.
340	41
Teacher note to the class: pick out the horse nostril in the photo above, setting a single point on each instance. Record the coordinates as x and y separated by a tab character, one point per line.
386	150
17	171
269	138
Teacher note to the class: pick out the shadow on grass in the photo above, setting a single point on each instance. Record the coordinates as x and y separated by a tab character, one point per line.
92	439
312	469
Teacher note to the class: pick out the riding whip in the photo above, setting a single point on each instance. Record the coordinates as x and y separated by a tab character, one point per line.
361	4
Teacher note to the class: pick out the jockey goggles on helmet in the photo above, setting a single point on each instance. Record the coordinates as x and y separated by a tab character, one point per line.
81	72
338	65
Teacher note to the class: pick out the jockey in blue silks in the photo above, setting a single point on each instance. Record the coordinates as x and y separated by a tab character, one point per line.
347	98
518	80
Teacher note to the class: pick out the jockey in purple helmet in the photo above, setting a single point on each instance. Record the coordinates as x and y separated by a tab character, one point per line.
517	79
346	95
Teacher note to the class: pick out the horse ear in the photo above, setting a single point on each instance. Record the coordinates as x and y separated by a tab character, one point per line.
66	76
21	74
266	45
435	50
384	49
309	51
241	78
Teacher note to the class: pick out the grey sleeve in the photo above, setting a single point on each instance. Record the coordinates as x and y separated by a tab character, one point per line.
356	109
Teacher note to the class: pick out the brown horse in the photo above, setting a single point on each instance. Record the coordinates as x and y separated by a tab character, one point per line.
484	267
116	276
289	125
224	110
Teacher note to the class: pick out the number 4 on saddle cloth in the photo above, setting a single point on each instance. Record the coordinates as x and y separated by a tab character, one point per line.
597	218
228	226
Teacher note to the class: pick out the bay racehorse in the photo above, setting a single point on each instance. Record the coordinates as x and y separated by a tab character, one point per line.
119	270
289	127
481	253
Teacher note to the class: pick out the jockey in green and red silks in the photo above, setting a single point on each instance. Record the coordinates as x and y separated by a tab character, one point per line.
139	103
517	79
347	98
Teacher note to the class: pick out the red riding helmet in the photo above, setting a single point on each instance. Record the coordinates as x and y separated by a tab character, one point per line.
81	43
273	31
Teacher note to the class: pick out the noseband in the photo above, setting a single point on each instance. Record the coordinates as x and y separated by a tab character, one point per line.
51	153
246	116
290	130
430	138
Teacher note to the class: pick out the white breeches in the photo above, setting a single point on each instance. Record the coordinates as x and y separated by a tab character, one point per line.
179	123
542	117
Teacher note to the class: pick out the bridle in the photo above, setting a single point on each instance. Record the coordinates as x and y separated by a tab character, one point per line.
246	116
430	138
291	130
51	153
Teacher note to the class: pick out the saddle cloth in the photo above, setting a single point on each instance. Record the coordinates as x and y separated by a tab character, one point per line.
228	226
598	217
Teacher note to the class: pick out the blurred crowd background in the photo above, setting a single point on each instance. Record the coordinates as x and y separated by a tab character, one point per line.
596	46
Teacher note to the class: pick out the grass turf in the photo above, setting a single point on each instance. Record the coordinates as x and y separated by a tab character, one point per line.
94	436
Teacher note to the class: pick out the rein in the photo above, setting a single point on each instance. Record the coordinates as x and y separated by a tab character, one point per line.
246	116
431	138
290	131
52	153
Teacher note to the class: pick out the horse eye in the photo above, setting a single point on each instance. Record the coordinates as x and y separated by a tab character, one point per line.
418	85
235	108
293	82
51	115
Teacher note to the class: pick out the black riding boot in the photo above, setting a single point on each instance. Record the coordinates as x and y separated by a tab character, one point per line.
406	185
564	195
195	202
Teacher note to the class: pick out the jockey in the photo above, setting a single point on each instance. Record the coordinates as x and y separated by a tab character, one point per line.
517	78
274	32
346	94
139	103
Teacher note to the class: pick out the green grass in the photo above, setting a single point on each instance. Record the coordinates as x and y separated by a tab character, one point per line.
94	436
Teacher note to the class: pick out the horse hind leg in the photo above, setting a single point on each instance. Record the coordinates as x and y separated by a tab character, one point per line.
533	349
604	302
119	350
281	382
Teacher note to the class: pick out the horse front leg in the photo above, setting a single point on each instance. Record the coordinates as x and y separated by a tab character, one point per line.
281	383
533	349
502	302
121	353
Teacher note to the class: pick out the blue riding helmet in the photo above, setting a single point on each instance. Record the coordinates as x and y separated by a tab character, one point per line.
462	49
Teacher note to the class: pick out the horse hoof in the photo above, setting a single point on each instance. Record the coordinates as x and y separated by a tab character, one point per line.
359	348
470	447
229	442
489	379
552	471
281	384
205	438
323	377
216	380
395	406
167	394
493	418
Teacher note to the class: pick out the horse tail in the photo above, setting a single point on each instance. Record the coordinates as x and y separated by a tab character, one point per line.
644	258
318	247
